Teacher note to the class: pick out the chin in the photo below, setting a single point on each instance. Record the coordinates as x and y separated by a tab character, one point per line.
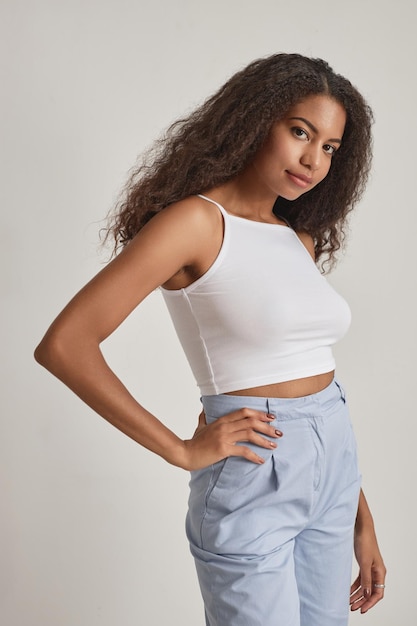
290	197
295	194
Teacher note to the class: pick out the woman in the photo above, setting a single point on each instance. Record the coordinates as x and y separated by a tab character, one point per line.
229	217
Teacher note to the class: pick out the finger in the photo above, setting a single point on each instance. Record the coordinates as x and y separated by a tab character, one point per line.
366	580
202	419
377	592
356	596
262	427
201	423
359	600
247	453
376	596
355	585
251	436
357	603
255	424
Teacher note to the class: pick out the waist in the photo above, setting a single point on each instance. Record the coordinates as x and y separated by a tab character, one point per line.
289	389
287	408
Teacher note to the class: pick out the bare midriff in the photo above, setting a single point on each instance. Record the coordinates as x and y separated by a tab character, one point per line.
289	389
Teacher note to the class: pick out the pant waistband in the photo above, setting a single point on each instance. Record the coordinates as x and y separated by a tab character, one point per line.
284	408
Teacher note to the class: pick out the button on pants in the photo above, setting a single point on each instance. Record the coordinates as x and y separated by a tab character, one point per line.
273	543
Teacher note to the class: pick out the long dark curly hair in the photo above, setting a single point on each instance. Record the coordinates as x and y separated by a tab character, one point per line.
219	139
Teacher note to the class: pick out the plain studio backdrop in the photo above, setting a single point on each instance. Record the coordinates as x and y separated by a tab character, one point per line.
92	524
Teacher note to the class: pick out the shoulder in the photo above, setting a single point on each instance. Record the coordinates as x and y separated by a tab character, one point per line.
190	224
308	242
192	213
184	238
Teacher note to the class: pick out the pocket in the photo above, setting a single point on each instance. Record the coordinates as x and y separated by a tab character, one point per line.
202	483
341	390
236	483
217	470
238	506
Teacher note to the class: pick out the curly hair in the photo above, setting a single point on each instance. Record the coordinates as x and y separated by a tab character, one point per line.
220	138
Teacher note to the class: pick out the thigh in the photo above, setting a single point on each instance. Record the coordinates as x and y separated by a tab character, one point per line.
323	563
324	549
260	591
241	525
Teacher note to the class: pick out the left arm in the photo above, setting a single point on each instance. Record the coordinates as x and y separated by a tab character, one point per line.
364	592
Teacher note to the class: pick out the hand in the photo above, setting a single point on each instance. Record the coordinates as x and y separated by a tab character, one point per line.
372	571
214	442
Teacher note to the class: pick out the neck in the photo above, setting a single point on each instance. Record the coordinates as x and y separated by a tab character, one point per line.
239	197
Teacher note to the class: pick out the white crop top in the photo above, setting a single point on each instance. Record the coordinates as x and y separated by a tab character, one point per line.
262	313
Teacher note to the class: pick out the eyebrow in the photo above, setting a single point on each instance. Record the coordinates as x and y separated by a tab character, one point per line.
313	128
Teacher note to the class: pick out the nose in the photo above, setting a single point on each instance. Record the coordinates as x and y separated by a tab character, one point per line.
311	158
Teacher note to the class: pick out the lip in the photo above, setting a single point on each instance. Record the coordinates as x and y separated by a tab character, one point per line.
299	179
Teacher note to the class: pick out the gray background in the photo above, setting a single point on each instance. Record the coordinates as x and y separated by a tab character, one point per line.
92	525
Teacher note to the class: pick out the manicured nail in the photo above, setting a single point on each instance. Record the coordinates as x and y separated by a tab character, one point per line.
270	416
272	444
366	592
278	433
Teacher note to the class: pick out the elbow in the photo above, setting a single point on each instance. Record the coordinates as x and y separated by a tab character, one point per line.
46	352
64	350
51	351
41	353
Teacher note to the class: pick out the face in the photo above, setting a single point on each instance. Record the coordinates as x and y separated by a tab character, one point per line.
299	149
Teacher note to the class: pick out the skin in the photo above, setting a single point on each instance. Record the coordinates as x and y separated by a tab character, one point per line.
174	249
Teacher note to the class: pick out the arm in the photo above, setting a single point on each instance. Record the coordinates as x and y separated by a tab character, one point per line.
179	237
372	571
364	594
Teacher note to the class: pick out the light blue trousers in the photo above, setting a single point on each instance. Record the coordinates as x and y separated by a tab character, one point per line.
273	543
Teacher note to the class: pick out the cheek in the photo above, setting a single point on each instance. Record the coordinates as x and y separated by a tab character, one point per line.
283	155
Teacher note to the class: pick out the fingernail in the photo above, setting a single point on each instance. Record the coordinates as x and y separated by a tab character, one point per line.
272	444
366	592
270	416
278	433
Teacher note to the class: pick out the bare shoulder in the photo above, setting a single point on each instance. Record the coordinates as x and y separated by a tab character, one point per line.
183	227
190	232
192	213
308	242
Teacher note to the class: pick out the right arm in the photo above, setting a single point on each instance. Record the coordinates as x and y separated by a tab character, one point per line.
177	238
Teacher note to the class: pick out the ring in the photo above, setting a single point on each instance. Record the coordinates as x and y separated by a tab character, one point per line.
379	586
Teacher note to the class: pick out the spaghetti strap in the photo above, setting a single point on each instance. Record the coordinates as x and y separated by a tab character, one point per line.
227	215
219	206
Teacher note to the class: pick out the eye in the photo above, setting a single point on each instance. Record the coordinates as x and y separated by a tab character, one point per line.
300	133
329	149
